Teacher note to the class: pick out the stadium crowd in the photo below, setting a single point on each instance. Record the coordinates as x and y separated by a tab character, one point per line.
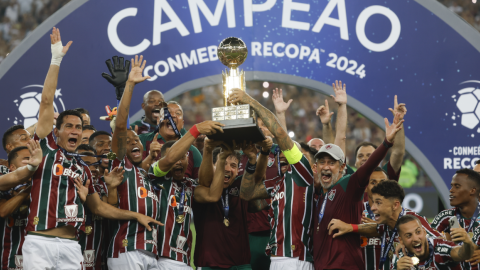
131	197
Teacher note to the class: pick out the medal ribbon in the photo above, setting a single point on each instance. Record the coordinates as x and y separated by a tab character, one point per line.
369	210
277	156
166	114
181	204
78	157
225	206
472	220
322	210
384	252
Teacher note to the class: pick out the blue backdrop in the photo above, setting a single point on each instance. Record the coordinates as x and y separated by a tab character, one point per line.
416	49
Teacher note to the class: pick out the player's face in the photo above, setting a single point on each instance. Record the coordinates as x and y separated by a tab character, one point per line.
316	143
86	119
19	137
152	107
103	145
23	156
461	190
178	170
93	168
86	135
383	208
177	116
414	238
363	154
134	148
264	128
328	171
231	171
70	133
375	178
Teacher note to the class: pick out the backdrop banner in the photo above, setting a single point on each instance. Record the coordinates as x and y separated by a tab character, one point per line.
418	50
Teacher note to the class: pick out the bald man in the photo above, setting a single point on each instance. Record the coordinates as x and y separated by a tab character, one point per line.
316	143
151	107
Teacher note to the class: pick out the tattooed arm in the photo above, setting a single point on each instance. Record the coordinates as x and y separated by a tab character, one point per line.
367	230
257	205
269	119
250	188
465	251
119	139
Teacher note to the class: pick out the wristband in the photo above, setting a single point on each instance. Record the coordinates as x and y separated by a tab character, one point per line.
32	168
57	54
157	171
194	131
266	153
293	155
354	227
251	168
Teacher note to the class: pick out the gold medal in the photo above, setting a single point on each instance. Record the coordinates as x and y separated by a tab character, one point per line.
226	222
415	260
124	242
470	234
88	230
35	220
180	218
390	254
293	247
111	156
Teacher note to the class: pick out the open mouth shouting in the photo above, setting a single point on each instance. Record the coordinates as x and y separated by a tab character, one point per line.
177	172
326	177
156	114
283	166
136	152
72	142
451	197
417	248
228	175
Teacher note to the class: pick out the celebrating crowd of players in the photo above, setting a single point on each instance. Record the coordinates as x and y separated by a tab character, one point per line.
72	197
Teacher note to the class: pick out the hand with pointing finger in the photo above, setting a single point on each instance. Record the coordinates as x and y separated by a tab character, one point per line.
398	108
155	148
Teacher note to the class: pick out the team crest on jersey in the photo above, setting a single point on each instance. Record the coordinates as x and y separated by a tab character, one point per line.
234	191
19	261
365	213
89	258
189	191
478	219
331	195
271	160
71	212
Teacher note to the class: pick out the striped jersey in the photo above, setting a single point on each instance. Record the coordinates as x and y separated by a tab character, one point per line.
441	223
136	194
441	258
92	240
12	235
291	210
54	201
431	232
175	239
194	156
476	241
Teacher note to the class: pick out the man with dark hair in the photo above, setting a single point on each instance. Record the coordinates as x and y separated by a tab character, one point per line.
477	166
14	212
55	220
387	208
464	190
151	106
85	115
15	136
166	133
87	131
101	141
430	253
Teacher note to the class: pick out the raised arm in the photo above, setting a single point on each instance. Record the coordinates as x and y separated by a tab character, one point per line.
203	194
205	172
257	205
325	116
464	252
7	207
262	160
280	106
252	187
25	173
46	111
341	127
398	149
271	122
367	230
119	139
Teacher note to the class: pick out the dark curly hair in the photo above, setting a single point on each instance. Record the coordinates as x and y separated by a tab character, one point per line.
389	189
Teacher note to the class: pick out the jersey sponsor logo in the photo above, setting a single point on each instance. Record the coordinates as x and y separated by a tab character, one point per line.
271	161
59	170
143	193
173	203
375	242
279	196
71	212
331	195
89	258
234	191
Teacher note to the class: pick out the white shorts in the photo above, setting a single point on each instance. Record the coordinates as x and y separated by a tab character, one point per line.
133	260
40	252
286	263
169	264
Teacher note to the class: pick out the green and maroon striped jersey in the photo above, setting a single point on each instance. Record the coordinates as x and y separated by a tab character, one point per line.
175	239
54	201
12	235
441	258
291	212
136	194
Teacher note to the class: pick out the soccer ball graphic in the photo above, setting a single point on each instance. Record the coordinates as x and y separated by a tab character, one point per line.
467	103
29	104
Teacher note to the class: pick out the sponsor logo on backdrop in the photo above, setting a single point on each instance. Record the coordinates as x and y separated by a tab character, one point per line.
29	105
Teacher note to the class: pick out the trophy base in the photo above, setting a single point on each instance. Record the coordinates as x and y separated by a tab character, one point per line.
239	130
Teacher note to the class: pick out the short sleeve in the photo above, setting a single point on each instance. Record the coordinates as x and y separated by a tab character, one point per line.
302	173
441	221
47	144
112	164
444	249
4	170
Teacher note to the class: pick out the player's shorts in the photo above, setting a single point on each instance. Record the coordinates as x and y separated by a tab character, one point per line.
286	263
41	252
133	260
169	264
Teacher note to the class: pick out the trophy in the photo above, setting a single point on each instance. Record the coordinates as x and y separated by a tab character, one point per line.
239	119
